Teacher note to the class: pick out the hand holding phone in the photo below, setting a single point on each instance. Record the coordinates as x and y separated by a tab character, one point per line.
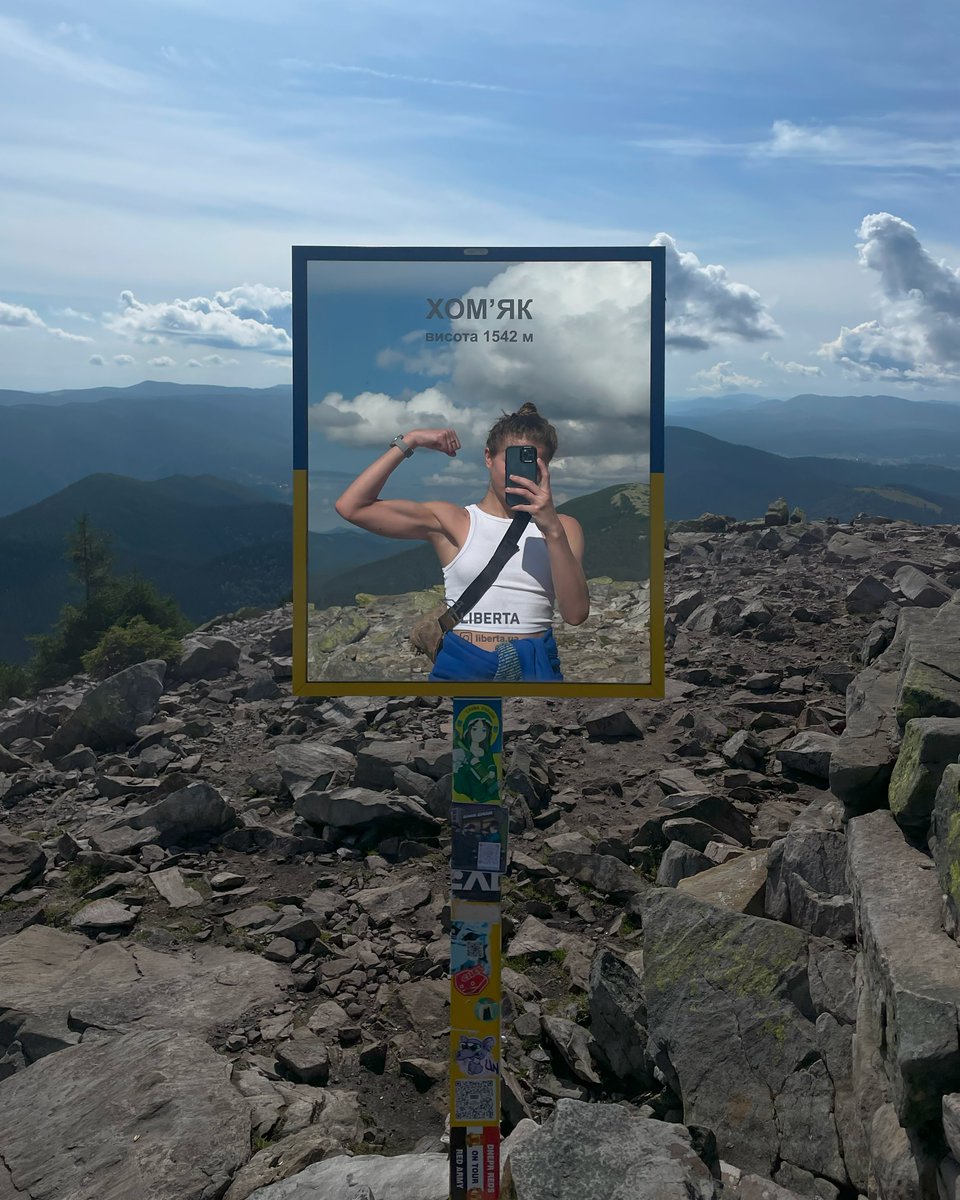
519	460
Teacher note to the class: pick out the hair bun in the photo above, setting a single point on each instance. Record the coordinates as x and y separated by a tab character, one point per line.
527	410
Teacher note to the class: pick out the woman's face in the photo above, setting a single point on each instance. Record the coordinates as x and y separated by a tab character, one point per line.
496	464
477	736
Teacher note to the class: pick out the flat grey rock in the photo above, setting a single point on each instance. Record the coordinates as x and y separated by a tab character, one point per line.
366	1177
170	883
150	1113
115	985
314	766
571	1157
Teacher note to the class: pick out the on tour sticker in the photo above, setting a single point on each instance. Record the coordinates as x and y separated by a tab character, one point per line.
474	1162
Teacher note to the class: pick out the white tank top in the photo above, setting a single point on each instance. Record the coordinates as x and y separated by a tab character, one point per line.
520	601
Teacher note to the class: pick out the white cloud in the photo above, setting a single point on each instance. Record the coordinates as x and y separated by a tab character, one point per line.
721	377
917	338
96	360
217	360
19	43
18	316
124	360
164	360
430	81
860	146
704	306
194	363
790	368
74	314
249	317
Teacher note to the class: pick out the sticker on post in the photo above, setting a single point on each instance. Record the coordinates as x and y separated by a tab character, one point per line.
475	885
477	752
470	960
474	1162
475	1100
479	837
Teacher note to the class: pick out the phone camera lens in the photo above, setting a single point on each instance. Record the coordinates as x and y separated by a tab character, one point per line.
528	455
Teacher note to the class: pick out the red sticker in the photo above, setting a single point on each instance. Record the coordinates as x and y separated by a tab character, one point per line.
471	981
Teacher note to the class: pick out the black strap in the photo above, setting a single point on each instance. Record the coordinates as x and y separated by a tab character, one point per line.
473	593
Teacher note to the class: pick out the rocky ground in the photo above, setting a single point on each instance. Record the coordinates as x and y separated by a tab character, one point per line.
729	965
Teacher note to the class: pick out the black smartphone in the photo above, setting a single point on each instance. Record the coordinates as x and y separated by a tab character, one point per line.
520	460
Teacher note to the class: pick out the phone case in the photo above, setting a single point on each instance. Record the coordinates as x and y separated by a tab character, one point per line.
513	466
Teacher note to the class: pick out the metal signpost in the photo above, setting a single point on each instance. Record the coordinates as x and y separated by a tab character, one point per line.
477	861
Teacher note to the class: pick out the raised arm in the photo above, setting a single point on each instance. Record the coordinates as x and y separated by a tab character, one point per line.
361	505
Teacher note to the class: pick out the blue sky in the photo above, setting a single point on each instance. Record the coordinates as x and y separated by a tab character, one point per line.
158	160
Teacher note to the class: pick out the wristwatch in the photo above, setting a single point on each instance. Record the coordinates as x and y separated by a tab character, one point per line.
401	445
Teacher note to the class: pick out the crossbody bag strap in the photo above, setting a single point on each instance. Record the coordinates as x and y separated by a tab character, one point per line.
474	592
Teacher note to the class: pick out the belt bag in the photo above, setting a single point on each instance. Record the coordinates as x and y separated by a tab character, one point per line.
427	634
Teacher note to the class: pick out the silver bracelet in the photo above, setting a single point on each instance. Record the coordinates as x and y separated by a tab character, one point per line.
401	445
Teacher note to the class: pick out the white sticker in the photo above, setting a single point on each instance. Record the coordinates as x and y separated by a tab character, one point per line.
488	856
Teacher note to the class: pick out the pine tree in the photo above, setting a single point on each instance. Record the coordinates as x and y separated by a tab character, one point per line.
89	551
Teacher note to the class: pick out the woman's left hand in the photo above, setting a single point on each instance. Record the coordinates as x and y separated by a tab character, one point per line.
538	499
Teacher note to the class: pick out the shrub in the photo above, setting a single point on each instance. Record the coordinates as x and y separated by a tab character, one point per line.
133	641
13	681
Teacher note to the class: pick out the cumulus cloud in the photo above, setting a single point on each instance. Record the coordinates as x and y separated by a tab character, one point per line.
19	316
124	360
790	368
917	336
194	363
587	368
705	306
96	360
248	317
164	360
217	360
721	377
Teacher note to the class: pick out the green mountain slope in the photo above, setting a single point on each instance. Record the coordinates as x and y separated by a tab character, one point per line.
211	543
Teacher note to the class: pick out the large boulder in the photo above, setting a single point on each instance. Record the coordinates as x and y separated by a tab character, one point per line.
929	684
946	846
193	813
108	716
737	884
605	1150
863	761
314	766
207	656
21	862
618	1021
910	967
731	1025
150	1113
358	808
807	883
929	745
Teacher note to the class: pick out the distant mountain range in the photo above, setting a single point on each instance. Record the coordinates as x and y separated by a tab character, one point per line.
207	517
211	543
148	431
884	429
